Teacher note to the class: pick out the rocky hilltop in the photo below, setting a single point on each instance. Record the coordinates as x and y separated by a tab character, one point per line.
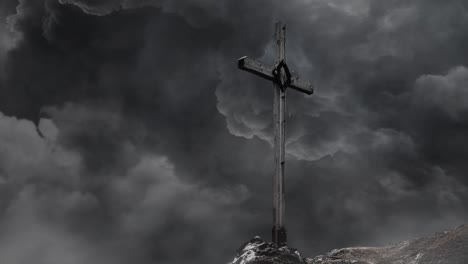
449	247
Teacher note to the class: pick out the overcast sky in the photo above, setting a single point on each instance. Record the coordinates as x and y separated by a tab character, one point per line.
128	135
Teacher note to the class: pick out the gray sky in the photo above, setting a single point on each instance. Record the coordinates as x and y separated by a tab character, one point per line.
128	135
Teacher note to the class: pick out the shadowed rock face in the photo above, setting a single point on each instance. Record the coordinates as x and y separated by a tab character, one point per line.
450	247
256	251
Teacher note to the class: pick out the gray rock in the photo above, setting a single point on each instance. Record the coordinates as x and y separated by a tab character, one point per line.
256	251
449	247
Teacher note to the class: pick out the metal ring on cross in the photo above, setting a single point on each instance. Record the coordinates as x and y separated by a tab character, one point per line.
283	83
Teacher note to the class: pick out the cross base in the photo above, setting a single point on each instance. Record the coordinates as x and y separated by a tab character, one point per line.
279	236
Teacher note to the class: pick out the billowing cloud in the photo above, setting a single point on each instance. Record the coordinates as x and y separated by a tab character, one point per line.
126	126
448	92
51	209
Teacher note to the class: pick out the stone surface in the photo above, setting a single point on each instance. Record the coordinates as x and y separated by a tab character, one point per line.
256	251
449	247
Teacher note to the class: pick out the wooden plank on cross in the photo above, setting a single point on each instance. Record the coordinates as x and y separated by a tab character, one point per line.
253	66
282	78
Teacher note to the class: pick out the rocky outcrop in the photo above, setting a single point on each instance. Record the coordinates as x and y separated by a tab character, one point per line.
449	247
256	251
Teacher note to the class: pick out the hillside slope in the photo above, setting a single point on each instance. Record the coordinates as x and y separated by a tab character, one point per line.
449	247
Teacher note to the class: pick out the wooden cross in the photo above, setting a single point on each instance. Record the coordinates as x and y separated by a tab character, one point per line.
282	79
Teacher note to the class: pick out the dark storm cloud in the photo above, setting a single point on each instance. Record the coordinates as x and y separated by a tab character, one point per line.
132	136
127	128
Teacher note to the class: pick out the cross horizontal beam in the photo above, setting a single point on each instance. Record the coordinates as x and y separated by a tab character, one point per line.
247	64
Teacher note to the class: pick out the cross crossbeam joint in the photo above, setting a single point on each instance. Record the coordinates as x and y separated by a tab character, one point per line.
253	66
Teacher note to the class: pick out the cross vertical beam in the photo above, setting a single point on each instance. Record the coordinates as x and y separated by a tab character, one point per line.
279	109
282	79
